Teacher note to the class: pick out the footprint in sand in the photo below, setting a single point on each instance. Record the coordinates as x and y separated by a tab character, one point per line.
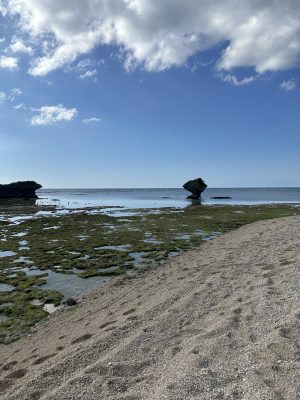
9	366
40	360
132	310
35	395
18	374
175	351
82	338
106	324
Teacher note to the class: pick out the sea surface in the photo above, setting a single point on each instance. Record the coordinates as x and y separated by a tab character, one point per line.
157	198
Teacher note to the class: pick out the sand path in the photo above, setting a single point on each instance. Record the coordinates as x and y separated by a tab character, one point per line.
219	322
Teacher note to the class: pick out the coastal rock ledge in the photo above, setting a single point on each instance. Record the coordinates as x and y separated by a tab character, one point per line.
196	187
21	189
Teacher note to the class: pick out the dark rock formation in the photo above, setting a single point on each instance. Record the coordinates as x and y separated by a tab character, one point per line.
23	189
196	187
70	302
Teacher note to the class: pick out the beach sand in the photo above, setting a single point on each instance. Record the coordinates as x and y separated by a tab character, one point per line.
219	322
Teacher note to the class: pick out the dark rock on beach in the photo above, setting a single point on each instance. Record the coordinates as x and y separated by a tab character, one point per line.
196	187
70	302
21	189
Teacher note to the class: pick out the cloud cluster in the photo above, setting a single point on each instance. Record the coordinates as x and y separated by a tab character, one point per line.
289	85
238	82
88	74
156	34
17	46
48	115
11	95
8	62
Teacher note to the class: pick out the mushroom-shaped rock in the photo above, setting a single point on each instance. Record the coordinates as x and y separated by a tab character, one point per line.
196	187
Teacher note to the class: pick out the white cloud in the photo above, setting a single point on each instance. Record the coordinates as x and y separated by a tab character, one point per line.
86	63
91	120
156	34
238	82
289	85
13	93
88	74
48	115
20	106
17	46
2	97
8	62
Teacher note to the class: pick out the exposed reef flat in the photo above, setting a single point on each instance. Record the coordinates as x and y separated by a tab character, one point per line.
46	259
220	321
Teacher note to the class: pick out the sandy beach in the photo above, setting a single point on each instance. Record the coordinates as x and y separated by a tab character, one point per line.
218	322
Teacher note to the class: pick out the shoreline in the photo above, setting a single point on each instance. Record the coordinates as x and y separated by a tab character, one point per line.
220	320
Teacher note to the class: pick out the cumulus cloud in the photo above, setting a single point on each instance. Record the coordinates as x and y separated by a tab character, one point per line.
238	82
92	120
88	74
289	85
157	35
8	62
2	97
17	46
48	115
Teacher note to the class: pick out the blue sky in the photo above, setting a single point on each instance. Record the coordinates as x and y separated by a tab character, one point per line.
152	99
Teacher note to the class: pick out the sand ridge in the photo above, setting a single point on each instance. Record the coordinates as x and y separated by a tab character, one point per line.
218	322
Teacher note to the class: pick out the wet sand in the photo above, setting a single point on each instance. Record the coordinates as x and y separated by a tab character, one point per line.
219	322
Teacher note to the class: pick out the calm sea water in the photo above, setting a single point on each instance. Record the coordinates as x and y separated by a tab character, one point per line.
148	198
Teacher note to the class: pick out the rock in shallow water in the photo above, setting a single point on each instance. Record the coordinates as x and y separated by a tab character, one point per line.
22	189
196	187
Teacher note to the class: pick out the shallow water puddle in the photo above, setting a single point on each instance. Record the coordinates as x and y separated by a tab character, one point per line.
109	269
73	253
82	237
20	234
23	260
121	247
6	288
7	254
85	257
137	257
71	285
153	241
23	242
183	237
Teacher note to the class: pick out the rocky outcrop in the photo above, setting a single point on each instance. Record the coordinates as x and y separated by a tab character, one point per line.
22	189
196	187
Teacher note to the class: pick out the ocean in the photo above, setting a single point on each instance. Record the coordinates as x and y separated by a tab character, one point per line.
157	198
